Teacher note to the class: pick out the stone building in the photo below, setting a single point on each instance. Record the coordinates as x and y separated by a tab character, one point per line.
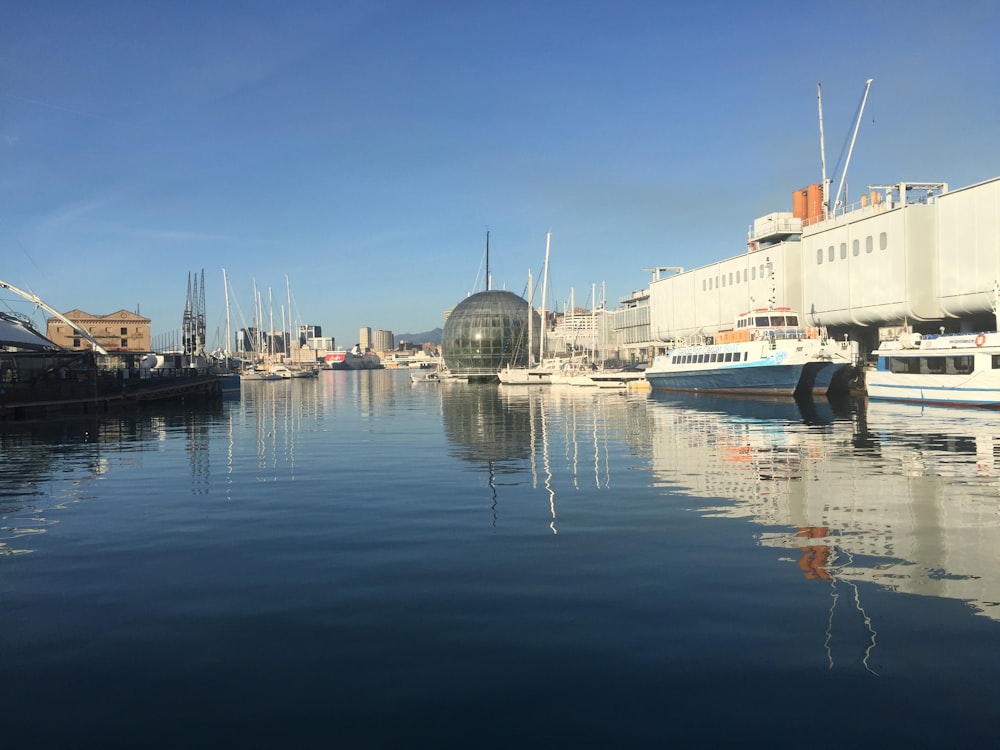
120	331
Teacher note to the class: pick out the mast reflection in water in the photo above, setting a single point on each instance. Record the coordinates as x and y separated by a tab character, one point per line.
360	561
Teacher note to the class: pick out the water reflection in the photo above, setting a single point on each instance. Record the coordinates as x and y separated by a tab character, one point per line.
47	466
563	439
904	497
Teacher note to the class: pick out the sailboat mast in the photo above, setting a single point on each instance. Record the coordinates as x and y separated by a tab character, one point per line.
229	341
488	260
545	283
593	323
257	336
270	333
531	321
288	291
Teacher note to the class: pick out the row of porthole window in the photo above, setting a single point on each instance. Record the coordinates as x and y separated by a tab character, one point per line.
883	243
736	277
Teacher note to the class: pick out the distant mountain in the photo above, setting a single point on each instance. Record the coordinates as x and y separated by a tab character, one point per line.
428	337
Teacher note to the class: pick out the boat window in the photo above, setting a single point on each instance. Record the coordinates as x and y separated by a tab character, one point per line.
737	277
829	253
730	278
777	320
868	244
996	361
792	320
723	279
843	250
962	365
745	356
856	248
819	257
762	270
753	272
883	241
729	356
761	321
903	364
933	365
704	286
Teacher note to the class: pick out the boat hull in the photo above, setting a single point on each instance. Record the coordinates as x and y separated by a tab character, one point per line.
946	370
524	376
761	380
982	391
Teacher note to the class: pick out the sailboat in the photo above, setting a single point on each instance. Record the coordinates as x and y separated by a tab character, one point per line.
228	377
533	374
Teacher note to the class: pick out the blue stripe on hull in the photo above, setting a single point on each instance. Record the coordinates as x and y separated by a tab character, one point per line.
767	379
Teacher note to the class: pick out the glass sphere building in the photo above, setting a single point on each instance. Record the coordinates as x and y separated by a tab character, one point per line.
487	332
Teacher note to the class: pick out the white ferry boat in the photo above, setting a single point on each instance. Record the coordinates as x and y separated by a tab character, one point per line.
952	369
767	353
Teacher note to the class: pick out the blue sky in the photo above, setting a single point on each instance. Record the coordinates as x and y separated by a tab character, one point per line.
363	149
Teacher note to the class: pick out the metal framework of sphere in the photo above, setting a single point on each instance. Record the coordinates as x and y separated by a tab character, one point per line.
487	332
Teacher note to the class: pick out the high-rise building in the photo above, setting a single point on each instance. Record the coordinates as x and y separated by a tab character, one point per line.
307	332
384	341
365	339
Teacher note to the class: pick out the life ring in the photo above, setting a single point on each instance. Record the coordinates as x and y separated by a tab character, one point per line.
980	339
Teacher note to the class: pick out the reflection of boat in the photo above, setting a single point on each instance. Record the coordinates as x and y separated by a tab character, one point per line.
766	352
954	369
900	495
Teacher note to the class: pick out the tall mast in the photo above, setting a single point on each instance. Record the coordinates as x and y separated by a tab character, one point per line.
229	341
531	321
545	283
257	336
288	344
487	260
822	153
857	124
593	322
270	333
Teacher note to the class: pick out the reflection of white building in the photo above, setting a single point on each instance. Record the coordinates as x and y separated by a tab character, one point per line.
912	502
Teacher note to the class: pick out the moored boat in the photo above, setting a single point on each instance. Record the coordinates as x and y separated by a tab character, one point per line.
767	352
951	369
352	360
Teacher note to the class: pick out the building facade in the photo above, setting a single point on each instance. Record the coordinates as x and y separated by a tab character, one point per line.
384	341
121	331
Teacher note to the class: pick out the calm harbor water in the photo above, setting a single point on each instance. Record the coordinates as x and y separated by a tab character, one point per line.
358	561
